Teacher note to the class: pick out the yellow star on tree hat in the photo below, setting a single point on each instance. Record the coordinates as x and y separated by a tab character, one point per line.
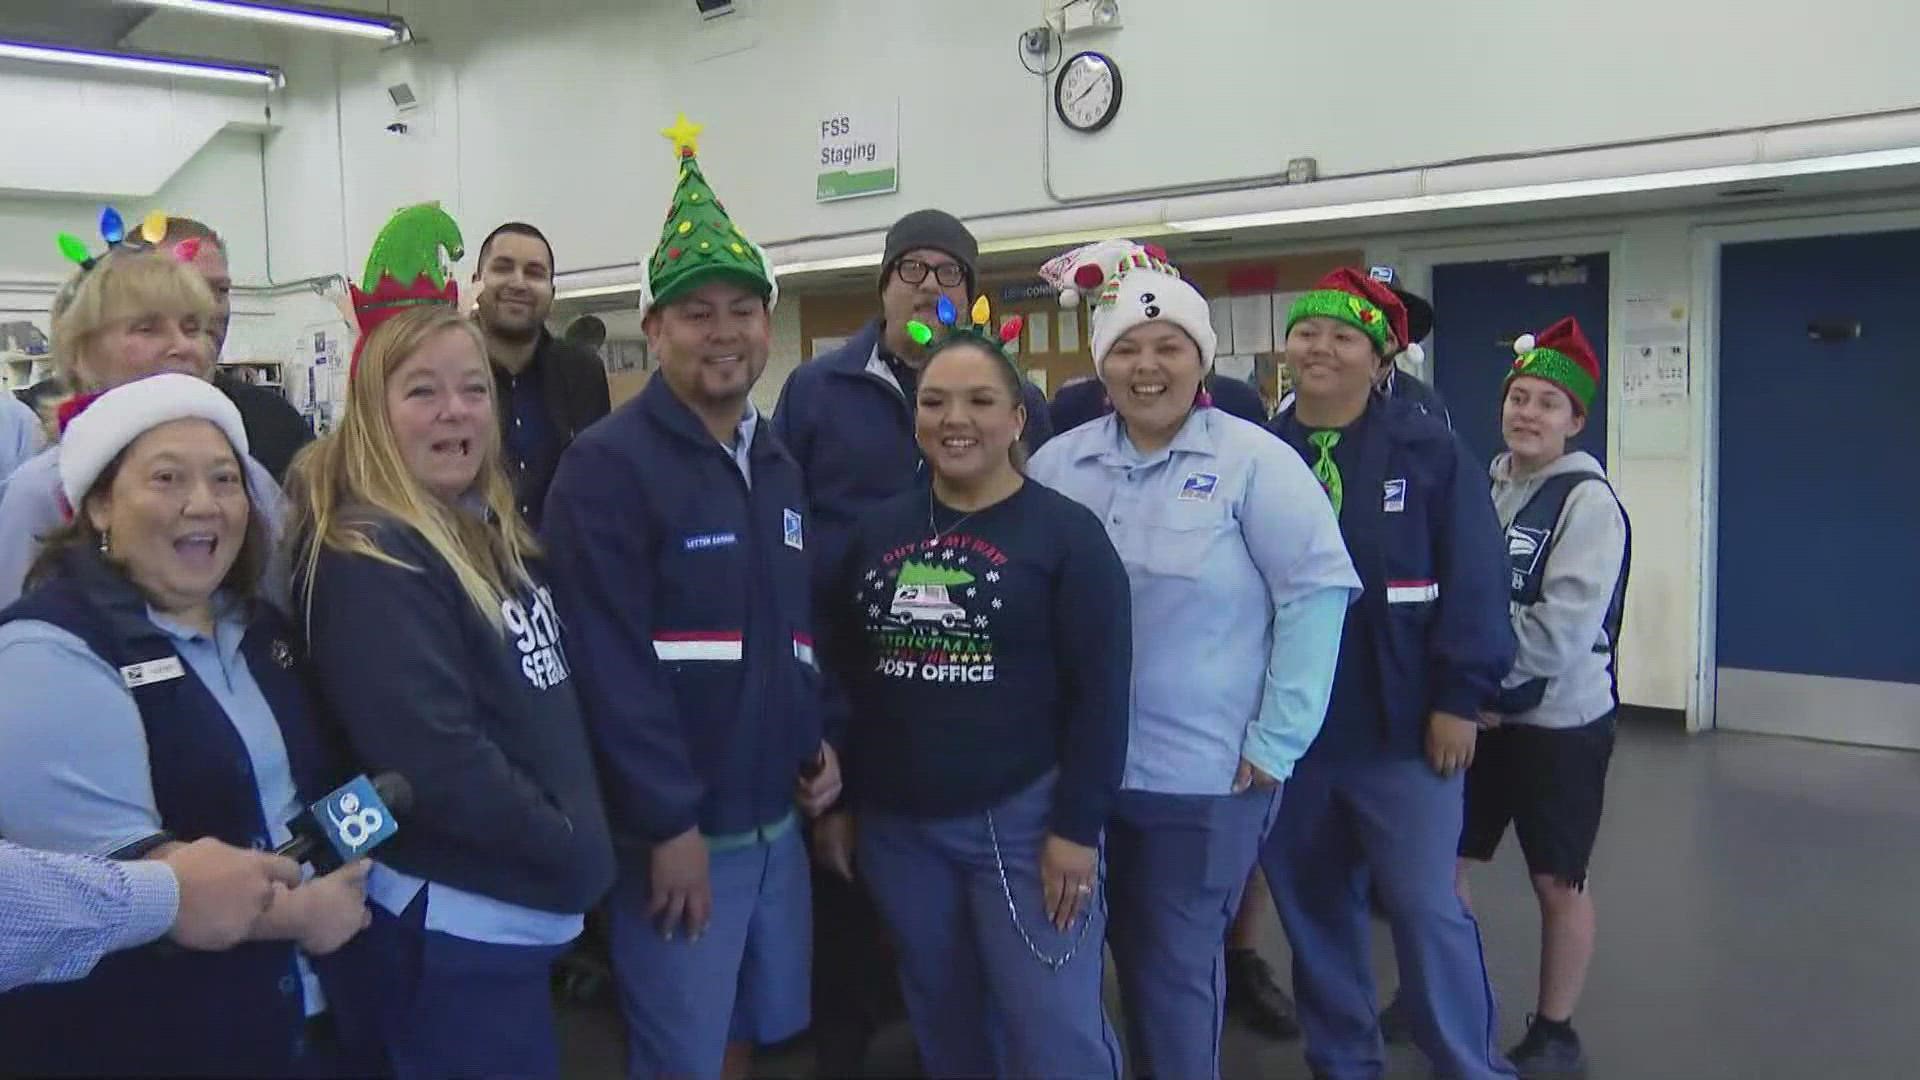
700	242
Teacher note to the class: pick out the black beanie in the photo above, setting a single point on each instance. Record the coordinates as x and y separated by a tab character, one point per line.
934	229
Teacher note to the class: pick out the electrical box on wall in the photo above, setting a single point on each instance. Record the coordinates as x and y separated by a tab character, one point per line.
405	78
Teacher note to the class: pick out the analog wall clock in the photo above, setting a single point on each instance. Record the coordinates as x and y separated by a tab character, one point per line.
1086	93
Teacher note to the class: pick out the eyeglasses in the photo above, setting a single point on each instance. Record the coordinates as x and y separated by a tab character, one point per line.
914	271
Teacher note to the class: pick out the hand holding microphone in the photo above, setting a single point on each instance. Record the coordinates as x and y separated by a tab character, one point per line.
334	836
224	891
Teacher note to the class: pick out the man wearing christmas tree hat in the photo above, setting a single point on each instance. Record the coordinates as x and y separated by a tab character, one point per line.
679	536
1378	797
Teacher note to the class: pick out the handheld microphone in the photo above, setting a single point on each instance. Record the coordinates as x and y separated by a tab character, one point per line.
349	823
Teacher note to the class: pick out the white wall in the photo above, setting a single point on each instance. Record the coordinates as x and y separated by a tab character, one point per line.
548	111
219	183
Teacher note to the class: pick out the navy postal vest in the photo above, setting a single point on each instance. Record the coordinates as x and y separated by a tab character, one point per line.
160	1009
1530	543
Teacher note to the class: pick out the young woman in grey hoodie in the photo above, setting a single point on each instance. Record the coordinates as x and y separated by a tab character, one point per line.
1542	759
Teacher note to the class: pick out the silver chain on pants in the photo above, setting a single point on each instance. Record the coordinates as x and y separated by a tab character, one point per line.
1013	911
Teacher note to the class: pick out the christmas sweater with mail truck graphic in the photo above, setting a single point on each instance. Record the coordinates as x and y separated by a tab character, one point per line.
980	650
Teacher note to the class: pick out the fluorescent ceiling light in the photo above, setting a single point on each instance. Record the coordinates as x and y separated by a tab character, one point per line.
1563	189
180	67
380	28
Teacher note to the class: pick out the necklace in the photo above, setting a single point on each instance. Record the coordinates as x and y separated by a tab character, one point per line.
937	531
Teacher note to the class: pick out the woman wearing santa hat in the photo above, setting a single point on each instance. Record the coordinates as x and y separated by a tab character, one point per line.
1239	583
153	699
1542	759
1378	797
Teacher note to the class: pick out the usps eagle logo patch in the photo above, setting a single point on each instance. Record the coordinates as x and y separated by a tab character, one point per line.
1199	486
1395	500
790	523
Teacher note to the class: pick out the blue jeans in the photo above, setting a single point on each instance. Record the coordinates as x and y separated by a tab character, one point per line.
1177	865
981	999
1395	823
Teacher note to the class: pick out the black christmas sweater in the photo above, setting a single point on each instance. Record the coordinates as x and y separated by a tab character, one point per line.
981	652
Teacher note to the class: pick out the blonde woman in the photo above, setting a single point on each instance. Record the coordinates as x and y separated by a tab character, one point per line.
434	639
132	315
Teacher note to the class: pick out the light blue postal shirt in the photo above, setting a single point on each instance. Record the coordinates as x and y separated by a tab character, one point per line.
1240	586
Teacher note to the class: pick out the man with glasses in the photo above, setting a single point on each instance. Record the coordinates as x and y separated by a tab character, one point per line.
847	416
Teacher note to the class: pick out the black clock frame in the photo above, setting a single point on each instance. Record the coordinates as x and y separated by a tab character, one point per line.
1059	85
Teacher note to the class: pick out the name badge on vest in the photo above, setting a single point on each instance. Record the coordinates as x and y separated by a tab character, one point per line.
790	522
1396	497
703	541
153	671
1199	487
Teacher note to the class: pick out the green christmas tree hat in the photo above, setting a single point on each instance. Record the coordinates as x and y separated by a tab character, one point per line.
699	242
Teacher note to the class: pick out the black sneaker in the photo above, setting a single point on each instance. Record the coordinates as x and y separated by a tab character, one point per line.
1549	1052
1395	1025
1256	998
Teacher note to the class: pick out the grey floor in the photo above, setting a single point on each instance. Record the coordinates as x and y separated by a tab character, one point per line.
1759	903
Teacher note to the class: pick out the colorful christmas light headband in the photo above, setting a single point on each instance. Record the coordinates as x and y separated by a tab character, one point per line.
113	229
980	332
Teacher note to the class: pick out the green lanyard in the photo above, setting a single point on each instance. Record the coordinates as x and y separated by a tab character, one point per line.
1324	469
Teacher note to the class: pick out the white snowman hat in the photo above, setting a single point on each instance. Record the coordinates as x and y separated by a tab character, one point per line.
111	422
1145	295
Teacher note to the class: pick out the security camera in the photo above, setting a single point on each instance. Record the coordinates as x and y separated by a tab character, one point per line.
398	127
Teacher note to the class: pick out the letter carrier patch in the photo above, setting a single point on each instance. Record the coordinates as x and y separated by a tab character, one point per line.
702	541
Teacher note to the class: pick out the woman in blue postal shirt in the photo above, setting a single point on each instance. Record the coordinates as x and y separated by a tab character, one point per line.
1240	583
151	700
435	640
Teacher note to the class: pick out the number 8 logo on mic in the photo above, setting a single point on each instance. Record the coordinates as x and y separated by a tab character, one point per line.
353	825
355	819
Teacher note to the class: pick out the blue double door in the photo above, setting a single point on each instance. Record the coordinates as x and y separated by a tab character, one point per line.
1819	534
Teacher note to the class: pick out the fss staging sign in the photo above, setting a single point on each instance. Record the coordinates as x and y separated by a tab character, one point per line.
859	153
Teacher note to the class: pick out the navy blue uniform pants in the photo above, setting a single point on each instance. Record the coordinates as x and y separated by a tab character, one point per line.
1394	824
1176	866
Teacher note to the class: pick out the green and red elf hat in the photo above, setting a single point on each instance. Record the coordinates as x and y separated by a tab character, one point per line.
1353	297
405	270
1561	355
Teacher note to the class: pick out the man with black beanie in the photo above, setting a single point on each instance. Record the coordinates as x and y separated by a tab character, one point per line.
847	416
